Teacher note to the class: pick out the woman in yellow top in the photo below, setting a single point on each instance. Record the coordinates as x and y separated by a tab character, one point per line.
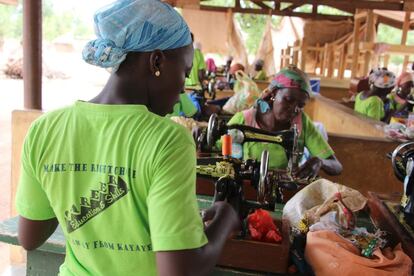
373	103
282	106
260	73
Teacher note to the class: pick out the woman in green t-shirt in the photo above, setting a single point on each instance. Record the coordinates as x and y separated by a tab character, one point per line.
373	103
280	107
113	172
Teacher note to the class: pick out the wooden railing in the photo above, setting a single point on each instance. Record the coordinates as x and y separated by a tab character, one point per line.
356	51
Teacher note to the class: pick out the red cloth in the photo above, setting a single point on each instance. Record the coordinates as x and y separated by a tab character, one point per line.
262	227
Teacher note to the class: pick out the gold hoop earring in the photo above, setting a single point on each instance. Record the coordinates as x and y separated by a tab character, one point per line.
157	73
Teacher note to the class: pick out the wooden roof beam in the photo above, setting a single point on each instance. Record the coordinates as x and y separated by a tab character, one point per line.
291	7
276	12
358	4
261	4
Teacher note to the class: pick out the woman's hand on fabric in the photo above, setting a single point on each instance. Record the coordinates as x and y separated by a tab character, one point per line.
310	169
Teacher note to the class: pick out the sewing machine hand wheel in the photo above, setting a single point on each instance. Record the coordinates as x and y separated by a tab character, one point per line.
400	157
262	187
212	130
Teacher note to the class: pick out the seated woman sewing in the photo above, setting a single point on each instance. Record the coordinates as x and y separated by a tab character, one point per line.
373	103
280	107
398	99
185	107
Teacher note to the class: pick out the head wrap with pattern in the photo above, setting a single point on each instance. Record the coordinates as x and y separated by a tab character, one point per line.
404	78
291	77
134	26
382	78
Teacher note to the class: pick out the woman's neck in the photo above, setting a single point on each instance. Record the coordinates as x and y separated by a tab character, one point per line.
268	122
121	92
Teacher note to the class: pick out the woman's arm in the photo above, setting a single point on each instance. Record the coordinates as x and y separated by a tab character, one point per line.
33	233
311	168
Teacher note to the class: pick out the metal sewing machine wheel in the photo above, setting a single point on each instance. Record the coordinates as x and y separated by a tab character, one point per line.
215	129
400	157
230	188
403	164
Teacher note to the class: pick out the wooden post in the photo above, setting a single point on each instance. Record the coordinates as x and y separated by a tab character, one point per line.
295	54
282	58
386	60
325	60
304	52
355	52
288	56
342	63
369	37
332	60
32	53
406	26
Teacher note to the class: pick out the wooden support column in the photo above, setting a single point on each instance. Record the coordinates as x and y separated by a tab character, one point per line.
295	54
406	26
386	60
32	53
288	56
369	37
303	54
325	60
282	58
342	63
332	61
355	52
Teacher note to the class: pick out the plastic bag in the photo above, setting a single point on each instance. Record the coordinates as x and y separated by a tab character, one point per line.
319	198
246	92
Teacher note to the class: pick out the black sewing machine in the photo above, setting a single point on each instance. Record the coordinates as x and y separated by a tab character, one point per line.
402	159
230	173
288	139
207	91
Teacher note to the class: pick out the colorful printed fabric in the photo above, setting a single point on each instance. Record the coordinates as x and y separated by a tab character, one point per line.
134	26
382	78
291	77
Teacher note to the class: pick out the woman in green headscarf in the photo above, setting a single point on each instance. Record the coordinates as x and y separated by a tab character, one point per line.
280	107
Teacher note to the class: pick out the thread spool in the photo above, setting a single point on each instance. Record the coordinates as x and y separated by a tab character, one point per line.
226	146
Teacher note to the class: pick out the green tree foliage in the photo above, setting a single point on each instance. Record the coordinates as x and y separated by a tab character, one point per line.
390	35
11	22
55	24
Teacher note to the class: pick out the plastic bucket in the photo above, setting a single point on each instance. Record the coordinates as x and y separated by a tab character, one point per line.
315	84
